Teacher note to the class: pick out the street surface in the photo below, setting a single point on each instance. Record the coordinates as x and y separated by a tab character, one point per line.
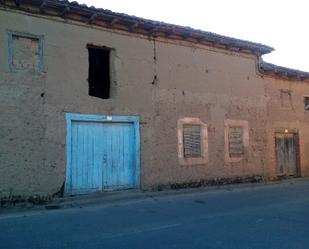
271	216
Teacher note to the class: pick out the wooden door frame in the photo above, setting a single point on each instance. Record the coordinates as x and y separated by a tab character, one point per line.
71	117
297	148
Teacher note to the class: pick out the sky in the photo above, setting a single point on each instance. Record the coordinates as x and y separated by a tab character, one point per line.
281	24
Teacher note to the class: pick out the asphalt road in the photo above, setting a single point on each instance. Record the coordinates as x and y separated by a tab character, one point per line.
273	216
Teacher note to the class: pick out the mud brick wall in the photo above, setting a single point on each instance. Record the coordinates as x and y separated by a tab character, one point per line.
159	80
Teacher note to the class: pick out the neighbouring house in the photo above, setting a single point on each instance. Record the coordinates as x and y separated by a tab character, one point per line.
92	100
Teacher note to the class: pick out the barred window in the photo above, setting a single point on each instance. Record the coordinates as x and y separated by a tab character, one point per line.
236	135
236	141
192	144
192	141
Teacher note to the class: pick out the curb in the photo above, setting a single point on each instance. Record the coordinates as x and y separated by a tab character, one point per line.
133	195
110	198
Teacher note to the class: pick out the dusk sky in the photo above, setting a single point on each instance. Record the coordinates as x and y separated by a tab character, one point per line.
280	24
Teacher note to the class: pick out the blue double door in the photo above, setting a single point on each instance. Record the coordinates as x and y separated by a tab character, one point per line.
103	156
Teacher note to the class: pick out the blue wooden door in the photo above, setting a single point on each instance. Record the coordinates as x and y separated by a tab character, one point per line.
102	156
87	151
118	156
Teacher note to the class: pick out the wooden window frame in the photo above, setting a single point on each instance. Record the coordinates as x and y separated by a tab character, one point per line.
204	140
236	123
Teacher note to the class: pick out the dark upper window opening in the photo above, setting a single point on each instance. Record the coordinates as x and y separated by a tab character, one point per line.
99	71
306	103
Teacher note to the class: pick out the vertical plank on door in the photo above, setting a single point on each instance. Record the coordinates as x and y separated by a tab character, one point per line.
286	154
86	168
95	177
120	145
279	144
291	154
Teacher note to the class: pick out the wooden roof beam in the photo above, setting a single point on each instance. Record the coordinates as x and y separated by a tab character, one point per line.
257	52
42	6
133	26
186	35
113	21
65	11
216	42
303	77
92	18
152	31
169	33
199	39
232	46
17	3
283	74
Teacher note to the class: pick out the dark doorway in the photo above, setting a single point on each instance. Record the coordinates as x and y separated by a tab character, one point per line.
287	154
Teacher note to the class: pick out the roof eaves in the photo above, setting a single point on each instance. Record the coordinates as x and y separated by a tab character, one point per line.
282	72
135	24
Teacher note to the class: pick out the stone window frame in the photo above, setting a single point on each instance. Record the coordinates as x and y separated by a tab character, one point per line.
236	123
40	39
289	92
204	137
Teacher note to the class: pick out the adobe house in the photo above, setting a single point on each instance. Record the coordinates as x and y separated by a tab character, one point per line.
92	100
